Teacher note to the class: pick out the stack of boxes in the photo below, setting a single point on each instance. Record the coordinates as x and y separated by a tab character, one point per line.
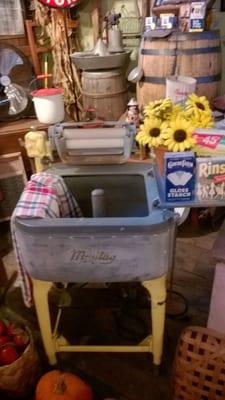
186	17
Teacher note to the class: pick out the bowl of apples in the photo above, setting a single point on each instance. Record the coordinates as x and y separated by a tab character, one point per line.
19	363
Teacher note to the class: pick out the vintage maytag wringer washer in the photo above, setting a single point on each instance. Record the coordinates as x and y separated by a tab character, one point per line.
131	241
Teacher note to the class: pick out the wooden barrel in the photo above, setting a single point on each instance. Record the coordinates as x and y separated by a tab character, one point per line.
106	91
188	54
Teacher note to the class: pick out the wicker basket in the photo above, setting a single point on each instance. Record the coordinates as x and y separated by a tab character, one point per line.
18	379
199	367
131	25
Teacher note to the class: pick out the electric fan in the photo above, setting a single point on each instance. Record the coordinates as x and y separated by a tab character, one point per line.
15	75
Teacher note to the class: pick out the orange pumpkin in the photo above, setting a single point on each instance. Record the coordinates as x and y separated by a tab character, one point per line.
57	385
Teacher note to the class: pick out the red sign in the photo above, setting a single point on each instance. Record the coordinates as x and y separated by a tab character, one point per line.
219	179
60	3
210	141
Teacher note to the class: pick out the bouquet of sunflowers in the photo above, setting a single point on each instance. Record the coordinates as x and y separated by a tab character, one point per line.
173	125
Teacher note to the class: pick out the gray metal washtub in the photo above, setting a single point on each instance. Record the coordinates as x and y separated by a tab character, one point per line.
132	243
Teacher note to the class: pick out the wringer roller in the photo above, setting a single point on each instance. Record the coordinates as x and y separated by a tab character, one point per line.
123	237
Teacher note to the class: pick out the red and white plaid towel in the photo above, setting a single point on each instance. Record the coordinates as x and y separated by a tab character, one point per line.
44	196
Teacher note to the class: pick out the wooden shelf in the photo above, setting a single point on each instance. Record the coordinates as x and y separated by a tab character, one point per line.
169	8
20	126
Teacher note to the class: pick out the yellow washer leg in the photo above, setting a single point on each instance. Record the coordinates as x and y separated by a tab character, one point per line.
40	292
157	291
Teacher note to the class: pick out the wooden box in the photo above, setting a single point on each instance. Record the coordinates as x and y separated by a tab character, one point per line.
12	181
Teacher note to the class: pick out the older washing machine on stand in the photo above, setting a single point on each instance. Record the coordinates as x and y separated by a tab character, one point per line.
123	235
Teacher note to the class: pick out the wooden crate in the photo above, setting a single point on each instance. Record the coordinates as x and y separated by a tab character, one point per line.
12	181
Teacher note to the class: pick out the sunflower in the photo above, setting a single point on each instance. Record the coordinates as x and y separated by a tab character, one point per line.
177	134
202	121
174	112
197	104
150	132
158	108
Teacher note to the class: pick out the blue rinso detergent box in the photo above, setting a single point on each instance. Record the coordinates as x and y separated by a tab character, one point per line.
179	176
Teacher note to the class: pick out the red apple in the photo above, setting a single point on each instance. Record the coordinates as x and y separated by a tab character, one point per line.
11	328
4	340
2	328
8	354
21	339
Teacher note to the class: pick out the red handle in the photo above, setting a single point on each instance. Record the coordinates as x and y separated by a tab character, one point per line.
44	76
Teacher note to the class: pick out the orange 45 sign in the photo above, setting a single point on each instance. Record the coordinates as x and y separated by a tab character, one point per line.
60	3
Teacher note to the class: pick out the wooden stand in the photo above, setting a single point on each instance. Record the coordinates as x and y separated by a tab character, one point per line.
156	289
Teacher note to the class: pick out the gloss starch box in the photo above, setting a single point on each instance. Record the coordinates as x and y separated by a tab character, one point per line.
179	176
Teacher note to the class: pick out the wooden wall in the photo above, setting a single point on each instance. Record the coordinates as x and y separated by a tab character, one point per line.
18	41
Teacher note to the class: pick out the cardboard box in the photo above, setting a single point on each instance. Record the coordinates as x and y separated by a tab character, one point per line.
197	16
179	176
